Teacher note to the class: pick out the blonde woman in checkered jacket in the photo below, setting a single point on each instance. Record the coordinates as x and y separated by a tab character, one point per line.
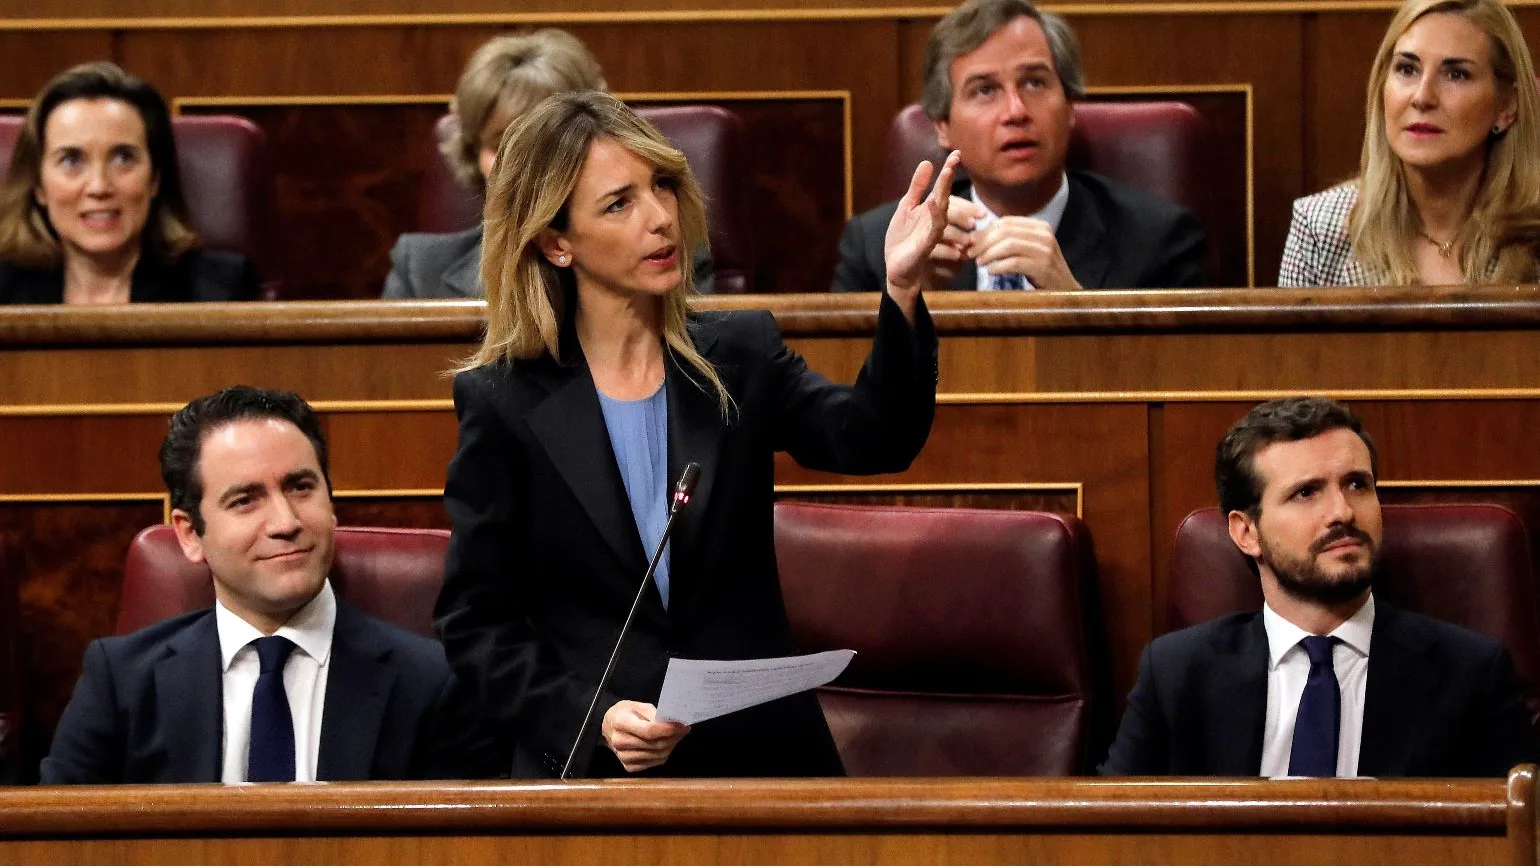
1449	186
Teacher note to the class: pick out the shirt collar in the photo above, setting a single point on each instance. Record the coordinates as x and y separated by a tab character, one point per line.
1052	212
1283	636
310	628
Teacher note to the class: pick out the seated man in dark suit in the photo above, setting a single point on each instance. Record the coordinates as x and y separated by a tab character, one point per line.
281	680
1000	81
1325	680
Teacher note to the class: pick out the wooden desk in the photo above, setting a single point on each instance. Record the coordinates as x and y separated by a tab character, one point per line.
1103	404
782	823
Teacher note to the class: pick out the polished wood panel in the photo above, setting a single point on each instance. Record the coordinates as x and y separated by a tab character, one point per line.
847	821
69	559
1108	403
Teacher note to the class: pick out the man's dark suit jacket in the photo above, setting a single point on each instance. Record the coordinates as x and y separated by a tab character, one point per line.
1112	237
1440	701
199	275
545	557
149	706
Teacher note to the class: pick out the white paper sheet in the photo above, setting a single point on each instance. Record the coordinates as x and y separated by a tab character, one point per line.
696	690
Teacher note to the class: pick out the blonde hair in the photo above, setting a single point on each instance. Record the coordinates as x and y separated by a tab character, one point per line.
1505	220
509	74
27	237
531	190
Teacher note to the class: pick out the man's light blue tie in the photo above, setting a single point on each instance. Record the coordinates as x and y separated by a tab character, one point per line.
271	758
1319	721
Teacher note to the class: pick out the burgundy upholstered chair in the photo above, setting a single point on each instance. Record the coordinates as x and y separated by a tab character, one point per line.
1158	146
970	628
226	182
712	139
392	574
1468	564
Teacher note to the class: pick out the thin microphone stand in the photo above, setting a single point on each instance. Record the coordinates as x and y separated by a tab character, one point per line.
682	492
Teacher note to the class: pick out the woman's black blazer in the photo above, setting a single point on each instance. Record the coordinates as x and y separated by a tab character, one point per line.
545	556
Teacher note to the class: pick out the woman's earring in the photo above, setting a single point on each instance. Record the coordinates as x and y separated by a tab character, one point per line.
1498	131
561	260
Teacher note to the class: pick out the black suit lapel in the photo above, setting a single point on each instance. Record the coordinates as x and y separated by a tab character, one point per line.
570	426
1397	677
695	433
189	691
1082	239
358	687
1237	702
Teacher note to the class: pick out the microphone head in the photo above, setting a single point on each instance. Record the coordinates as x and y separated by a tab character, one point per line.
684	488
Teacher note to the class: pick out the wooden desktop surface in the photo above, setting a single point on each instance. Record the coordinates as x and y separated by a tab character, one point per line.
848	821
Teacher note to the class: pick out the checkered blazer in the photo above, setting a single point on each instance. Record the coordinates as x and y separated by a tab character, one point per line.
1318	251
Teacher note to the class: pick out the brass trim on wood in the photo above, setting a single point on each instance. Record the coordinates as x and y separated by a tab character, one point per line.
689	16
1075	487
1456	483
119	409
88	498
988	398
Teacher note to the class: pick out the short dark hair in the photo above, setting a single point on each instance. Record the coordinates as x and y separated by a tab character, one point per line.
26	235
1288	420
183	446
970	25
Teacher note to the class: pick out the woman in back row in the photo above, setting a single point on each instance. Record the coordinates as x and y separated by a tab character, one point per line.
1449	186
91	209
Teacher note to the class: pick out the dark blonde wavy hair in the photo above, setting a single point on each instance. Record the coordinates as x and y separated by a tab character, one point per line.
531	191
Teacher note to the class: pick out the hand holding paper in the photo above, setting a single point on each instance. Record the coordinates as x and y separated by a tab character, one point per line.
696	690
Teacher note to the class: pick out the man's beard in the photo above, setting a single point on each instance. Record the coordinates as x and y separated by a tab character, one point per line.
1304	579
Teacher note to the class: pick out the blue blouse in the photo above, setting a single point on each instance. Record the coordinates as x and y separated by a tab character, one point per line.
638	431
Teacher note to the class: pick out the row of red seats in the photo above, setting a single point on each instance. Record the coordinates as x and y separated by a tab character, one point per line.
978	650
1160	147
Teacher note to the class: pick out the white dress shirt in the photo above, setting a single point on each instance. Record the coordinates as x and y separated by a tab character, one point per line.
1289	668
304	680
1052	213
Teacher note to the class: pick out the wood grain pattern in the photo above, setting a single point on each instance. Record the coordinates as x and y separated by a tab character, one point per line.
70	566
842	821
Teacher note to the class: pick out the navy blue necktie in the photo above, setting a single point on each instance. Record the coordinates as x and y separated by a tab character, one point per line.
271	758
1008	282
1320	714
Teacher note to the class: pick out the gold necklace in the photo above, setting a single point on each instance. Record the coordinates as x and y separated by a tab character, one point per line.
1444	249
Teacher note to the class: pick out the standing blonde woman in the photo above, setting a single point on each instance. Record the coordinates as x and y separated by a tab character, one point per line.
1449	185
595	384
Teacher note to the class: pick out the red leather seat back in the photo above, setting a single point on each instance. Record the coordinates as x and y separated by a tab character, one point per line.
226	181
970	628
391	574
1469	564
712	139
1158	146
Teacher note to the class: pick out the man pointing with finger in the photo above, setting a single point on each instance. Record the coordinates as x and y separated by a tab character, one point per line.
1000	80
